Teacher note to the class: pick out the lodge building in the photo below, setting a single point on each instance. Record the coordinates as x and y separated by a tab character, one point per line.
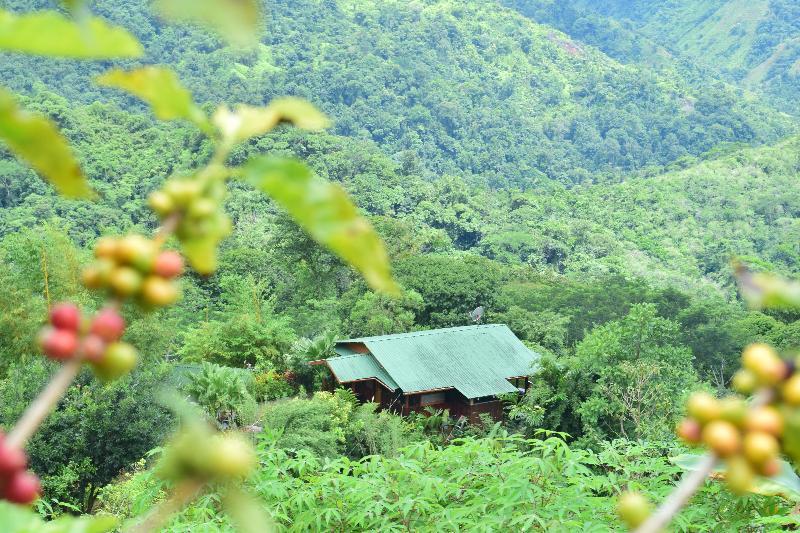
462	369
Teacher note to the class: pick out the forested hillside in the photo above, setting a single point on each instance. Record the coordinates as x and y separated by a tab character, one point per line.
588	172
755	44
454	87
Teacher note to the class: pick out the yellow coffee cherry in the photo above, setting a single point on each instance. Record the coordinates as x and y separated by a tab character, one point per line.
763	361
739	475
744	381
791	390
722	437
159	292
760	447
767	419
703	407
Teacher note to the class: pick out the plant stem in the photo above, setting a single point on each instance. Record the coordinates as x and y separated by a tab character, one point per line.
180	498
690	482
43	404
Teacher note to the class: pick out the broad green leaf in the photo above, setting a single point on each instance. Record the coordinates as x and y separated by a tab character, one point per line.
247	121
51	33
786	484
36	139
325	211
237	21
161	89
18	519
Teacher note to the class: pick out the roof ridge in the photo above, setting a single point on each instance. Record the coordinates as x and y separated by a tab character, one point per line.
350	356
391	336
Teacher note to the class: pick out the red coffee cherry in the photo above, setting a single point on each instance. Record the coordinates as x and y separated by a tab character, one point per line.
66	316
59	344
93	347
108	324
168	264
689	430
12	459
22	488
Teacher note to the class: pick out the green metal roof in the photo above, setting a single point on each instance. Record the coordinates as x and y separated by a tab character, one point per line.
359	366
475	360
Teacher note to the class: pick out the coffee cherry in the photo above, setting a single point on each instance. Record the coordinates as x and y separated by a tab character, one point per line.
168	264
733	410
689	430
764	362
159	292
739	475
230	456
161	203
744	381
722	437
105	247
766	419
23	488
108	324
791	390
137	251
760	447
12	459
119	359
93	348
96	275
66	316
125	281
703	407
58	344
182	192
633	509
770	468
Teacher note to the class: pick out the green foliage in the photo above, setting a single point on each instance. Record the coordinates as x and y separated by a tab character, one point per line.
82	446
160	88
236	20
17	519
51	33
626	379
270	385
491	484
325	212
37	140
330	425
223	393
239	341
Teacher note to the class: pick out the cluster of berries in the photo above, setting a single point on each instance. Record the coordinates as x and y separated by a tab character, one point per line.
749	438
132	266
95	341
17	485
202	224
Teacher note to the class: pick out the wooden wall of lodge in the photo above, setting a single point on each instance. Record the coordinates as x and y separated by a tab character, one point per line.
371	390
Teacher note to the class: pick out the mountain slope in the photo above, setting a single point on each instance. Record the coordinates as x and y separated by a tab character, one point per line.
753	42
466	88
676	229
